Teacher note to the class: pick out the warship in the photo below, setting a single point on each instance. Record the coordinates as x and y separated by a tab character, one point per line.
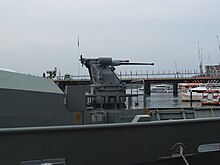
42	125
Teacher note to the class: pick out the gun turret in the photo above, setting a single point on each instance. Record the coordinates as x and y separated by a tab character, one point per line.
101	70
108	61
105	82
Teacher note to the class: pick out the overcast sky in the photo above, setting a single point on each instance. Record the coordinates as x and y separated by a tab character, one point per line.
37	35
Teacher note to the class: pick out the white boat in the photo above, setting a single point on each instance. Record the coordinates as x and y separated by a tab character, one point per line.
187	86
162	88
195	92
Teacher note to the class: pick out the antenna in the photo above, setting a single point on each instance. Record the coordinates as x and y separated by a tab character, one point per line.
78	55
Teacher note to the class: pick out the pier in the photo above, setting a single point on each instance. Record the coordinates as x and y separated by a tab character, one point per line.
148	81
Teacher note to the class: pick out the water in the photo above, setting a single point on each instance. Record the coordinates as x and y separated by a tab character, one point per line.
167	100
162	100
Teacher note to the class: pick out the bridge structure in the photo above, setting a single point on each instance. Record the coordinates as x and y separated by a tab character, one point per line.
147	74
62	83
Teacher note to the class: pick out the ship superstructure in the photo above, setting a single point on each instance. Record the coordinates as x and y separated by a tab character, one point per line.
40	124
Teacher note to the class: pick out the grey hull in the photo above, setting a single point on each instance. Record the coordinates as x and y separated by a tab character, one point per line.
137	143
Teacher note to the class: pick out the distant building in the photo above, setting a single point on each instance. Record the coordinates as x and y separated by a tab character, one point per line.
212	70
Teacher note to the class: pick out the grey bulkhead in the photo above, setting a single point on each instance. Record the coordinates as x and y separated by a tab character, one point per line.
27	100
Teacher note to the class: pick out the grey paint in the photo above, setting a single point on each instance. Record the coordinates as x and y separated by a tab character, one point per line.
26	108
18	81
75	98
108	144
31	101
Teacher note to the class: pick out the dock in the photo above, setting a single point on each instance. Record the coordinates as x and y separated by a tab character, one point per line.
62	83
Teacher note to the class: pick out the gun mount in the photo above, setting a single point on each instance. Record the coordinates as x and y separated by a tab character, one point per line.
107	89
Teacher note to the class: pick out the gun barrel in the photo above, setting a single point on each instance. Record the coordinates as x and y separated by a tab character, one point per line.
121	61
135	63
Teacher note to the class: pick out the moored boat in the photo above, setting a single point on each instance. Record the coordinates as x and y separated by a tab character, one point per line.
162	88
194	94
210	97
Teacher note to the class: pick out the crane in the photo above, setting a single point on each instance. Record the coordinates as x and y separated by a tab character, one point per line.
218	44
200	59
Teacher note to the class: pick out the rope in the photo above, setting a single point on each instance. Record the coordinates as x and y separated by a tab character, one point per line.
181	153
213	115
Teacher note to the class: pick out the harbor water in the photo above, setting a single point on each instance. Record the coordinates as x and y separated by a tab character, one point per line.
167	100
163	100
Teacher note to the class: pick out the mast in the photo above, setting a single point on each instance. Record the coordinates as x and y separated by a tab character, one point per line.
78	55
200	59
218	45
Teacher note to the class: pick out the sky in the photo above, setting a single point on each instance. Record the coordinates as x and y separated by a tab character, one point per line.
38	35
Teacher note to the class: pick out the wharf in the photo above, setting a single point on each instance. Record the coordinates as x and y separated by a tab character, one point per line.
147	81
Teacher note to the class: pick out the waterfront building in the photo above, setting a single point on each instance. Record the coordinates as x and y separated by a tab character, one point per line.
212	70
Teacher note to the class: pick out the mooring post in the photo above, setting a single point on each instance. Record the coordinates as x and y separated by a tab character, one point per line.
175	89
147	89
191	98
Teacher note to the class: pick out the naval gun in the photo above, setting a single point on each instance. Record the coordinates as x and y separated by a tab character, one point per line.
107	90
